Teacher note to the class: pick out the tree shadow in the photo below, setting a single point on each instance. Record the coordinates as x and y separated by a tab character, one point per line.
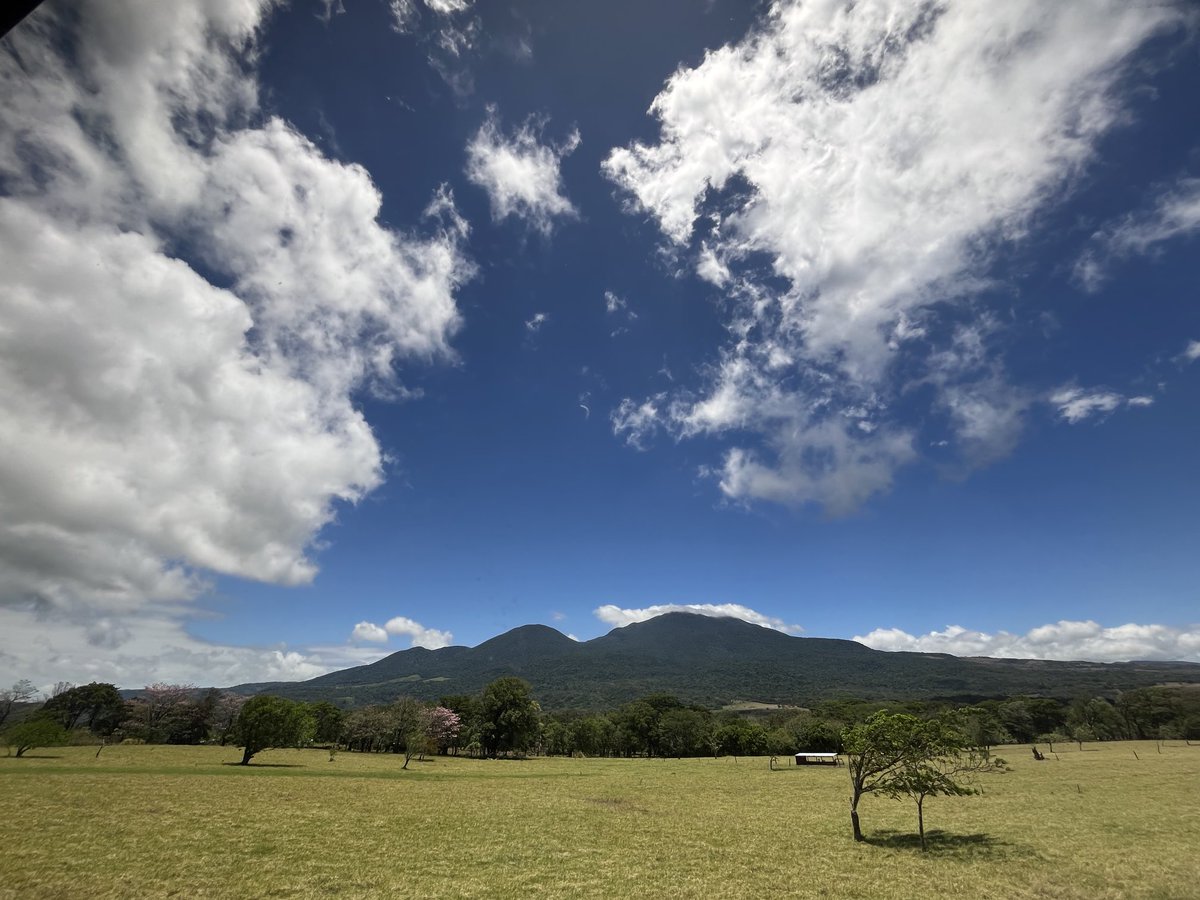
945	844
35	756
255	765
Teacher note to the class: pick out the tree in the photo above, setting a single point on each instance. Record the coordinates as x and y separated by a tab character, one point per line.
97	705
945	762
508	715
980	728
408	729
267	721
442	726
39	731
225	715
877	751
21	692
329	722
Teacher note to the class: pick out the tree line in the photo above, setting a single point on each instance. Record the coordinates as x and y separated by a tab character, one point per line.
505	719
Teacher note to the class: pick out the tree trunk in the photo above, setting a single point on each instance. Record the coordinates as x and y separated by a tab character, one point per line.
858	835
246	757
921	821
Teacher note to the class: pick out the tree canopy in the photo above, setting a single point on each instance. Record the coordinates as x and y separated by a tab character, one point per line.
266	721
38	731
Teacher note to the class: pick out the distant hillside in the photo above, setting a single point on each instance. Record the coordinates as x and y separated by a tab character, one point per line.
713	662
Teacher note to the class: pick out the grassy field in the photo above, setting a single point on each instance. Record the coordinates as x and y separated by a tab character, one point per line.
178	821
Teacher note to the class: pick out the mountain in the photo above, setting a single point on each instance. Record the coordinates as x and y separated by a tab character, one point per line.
712	661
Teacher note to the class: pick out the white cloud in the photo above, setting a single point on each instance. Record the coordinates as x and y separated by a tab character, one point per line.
151	646
420	636
520	174
614	304
1192	352
843	175
534	324
369	631
448	7
158	426
1176	214
637	422
1076	405
1064	640
614	615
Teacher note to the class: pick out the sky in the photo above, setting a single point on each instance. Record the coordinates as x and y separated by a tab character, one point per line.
335	327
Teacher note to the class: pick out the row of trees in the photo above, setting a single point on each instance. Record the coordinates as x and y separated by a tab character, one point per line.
505	719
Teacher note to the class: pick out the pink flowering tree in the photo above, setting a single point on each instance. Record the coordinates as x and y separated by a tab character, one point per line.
442	726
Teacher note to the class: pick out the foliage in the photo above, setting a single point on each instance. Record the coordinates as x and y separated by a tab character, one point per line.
877	752
38	731
329	722
946	763
97	706
267	721
508	716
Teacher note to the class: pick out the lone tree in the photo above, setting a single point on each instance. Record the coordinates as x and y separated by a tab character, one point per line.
946	764
266	722
902	756
877	751
39	731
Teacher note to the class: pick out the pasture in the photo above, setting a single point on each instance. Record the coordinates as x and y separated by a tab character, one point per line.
158	821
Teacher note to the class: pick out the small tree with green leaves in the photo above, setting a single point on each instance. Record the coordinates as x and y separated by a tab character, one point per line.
877	752
39	731
945	762
266	722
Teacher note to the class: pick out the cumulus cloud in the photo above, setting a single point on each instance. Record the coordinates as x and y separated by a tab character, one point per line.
151	646
1063	640
843	176
611	614
369	631
520	173
193	294
1191	353
1175	214
1075	405
420	636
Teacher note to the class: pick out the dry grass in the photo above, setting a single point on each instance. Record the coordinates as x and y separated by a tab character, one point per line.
175	821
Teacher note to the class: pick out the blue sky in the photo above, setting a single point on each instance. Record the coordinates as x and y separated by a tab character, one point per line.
331	329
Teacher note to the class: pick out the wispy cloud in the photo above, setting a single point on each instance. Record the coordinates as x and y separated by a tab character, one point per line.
534	324
1075	405
616	616
1175	214
842	176
520	173
1064	640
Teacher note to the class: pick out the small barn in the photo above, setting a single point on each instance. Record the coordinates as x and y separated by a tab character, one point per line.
817	759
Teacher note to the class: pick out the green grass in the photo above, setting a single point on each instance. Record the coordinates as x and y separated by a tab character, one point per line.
176	821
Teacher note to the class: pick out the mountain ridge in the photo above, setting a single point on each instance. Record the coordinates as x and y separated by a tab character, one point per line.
711	661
